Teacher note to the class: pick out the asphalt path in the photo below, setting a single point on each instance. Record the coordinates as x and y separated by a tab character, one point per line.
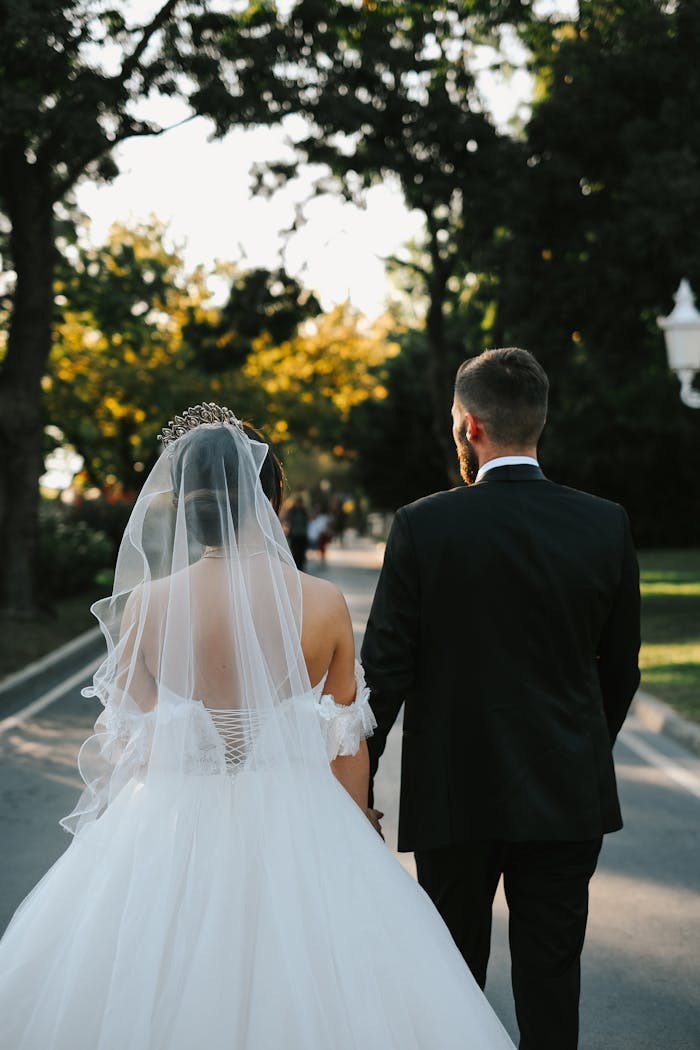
641	964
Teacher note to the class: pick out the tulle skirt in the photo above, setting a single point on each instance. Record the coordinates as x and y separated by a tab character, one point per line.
235	913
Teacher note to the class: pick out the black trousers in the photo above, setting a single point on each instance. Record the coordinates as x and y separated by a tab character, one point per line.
546	887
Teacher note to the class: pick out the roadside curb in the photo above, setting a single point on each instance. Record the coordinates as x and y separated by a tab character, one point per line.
24	686
660	718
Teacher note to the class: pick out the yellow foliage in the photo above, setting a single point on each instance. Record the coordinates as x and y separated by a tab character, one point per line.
111	390
330	358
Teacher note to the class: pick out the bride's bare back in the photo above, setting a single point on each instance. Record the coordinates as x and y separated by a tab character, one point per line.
327	644
326	640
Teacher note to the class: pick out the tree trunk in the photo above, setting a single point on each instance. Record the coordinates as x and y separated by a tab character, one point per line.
440	381
31	243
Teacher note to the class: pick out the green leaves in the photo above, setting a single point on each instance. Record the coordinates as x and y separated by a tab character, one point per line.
604	209
69	76
137	339
261	303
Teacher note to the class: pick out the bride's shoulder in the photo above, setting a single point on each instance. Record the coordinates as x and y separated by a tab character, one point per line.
322	596
150	595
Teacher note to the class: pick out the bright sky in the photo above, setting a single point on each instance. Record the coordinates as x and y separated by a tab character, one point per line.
201	188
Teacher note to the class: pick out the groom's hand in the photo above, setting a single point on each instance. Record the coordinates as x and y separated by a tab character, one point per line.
374	816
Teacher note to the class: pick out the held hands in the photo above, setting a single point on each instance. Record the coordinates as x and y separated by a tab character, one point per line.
374	816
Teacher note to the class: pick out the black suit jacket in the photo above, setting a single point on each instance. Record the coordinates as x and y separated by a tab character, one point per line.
506	617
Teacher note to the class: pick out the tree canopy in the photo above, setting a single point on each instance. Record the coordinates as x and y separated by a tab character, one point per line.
606	203
137	338
600	203
566	234
75	81
387	90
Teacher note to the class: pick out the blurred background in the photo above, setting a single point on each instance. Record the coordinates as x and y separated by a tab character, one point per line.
312	212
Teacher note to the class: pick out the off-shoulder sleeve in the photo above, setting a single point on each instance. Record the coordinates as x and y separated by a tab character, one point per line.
345	725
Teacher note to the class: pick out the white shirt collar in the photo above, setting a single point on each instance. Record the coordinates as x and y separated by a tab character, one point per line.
505	461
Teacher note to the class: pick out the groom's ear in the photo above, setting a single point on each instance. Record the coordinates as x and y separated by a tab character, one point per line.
473	427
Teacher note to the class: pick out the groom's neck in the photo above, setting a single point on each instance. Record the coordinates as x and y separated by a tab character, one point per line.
493	452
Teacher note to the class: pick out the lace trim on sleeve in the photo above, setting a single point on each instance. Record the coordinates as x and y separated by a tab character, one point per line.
345	725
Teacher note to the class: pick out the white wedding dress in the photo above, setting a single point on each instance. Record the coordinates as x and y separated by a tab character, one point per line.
223	891
188	917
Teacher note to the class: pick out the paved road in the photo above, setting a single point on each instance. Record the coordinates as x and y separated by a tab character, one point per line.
641	970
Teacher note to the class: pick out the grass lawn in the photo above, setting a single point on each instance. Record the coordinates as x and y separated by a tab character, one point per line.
22	643
670	658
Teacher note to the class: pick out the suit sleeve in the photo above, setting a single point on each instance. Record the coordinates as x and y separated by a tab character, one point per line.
389	650
618	651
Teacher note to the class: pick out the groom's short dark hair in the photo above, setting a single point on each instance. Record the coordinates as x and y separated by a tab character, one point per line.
507	390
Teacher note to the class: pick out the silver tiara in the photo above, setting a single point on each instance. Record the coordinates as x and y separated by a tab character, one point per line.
194	417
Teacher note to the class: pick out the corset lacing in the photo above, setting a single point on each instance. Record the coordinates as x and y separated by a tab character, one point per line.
238	730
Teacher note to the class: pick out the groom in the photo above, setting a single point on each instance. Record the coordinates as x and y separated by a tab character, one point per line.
506	618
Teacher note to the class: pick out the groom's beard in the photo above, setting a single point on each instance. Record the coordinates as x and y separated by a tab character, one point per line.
468	460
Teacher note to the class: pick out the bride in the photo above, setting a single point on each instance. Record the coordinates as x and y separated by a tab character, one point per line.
224	889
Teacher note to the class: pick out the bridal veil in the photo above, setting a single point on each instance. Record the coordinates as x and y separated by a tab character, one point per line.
203	627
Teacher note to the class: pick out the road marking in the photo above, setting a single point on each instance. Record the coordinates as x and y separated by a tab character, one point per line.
48	698
46	661
689	781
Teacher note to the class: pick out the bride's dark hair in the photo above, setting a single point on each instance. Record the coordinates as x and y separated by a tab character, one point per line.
204	463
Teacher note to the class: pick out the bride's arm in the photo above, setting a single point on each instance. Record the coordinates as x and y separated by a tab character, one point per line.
352	771
133	676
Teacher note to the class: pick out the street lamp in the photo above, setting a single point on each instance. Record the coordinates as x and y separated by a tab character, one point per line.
682	334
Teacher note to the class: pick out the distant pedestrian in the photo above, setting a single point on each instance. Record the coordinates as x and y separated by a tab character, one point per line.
339	521
320	533
298	532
